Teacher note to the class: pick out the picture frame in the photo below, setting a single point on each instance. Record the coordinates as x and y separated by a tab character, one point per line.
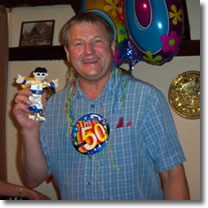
36	33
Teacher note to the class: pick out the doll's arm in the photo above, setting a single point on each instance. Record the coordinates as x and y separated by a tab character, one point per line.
20	79
55	82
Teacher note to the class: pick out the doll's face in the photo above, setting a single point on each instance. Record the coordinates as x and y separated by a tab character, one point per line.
40	76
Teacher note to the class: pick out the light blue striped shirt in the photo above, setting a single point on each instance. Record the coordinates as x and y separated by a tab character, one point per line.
127	168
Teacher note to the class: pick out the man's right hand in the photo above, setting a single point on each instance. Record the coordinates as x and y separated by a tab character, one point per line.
33	163
21	109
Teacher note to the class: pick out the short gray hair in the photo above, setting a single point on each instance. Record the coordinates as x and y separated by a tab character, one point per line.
90	17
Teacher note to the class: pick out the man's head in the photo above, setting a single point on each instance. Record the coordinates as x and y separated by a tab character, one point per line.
90	46
90	17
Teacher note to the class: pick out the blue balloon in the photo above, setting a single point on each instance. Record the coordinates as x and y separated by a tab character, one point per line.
155	27
148	38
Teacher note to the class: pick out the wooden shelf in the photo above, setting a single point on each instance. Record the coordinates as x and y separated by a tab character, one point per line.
188	48
37	53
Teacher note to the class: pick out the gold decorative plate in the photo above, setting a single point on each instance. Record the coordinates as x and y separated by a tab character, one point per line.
184	94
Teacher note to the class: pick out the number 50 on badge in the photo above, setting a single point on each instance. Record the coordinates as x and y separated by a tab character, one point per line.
90	134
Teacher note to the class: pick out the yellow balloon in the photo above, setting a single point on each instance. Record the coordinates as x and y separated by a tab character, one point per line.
111	11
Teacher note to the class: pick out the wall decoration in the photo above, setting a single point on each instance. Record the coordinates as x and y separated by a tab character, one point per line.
184	95
37	33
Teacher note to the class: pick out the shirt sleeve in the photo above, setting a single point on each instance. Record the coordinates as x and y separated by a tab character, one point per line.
161	135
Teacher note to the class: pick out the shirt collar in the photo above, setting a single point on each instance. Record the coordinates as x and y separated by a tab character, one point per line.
112	83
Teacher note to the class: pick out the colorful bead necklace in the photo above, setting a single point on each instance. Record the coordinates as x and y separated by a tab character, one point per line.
72	80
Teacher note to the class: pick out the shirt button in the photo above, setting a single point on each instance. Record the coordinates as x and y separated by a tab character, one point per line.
90	156
92	105
88	183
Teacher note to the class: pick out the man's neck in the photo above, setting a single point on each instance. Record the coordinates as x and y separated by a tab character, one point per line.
93	88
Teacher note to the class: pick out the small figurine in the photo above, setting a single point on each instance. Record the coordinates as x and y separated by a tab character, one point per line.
36	85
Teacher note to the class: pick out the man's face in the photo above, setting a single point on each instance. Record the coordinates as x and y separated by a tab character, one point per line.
90	51
40	76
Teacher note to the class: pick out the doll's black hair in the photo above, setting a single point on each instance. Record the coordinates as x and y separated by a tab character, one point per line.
41	69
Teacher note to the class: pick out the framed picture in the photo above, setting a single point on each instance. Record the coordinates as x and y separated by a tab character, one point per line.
37	33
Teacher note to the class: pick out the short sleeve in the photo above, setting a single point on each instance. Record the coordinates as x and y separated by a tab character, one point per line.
160	134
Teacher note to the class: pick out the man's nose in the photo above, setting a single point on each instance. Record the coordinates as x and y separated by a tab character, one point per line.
88	48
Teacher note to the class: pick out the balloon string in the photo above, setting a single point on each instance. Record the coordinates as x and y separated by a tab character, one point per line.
118	80
68	107
98	181
112	160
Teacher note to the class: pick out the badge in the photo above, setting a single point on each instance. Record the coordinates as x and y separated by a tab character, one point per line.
90	134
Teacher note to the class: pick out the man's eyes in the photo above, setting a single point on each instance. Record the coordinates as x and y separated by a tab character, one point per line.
94	42
78	43
97	41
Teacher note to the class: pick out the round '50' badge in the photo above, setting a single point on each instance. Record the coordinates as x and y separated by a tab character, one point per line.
90	134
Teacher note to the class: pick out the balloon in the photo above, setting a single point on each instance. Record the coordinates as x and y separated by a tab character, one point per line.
111	11
155	27
131	56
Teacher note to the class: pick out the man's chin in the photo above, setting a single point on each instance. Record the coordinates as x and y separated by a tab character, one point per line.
92	74
92	77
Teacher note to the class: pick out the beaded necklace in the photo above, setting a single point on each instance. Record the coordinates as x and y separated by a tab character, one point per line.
118	80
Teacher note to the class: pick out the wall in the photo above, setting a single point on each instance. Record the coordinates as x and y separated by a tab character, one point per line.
160	76
56	69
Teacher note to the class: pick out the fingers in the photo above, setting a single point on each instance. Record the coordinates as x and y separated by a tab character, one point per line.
43	196
23	97
44	98
20	108
21	111
34	195
22	103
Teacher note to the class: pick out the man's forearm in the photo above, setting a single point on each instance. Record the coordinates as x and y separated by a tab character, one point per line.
175	184
33	162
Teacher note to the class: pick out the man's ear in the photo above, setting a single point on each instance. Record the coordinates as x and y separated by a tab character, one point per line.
67	53
113	46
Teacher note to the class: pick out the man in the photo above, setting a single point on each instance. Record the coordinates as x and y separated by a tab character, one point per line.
107	136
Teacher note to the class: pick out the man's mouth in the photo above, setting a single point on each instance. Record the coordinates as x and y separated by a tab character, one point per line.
87	61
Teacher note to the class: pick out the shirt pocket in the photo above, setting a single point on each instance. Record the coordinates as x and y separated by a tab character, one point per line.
123	144
122	134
